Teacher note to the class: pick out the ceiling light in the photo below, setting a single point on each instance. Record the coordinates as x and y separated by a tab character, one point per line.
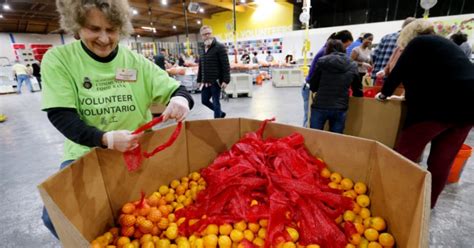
201	10
1	16
242	1
164	2
174	26
138	36
198	22
154	30
135	12
6	6
148	28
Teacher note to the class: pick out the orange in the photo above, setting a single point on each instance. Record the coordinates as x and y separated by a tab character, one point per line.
355	239
154	215
349	216
224	229
127	220
145	226
153	200
199	243
254	227
155	231
128	231
289	245
359	227
374	244
163	223
293	234
378	223
386	240
129	245
364	243
366	223
236	235
241	225
212	229
262	233
210	241
371	234
249	235
180	190
347	184
313	246
364	213
339	219
360	188
148	244
335	177
350	246
163	190
263	222
258	242
146	238
135	244
137	234
163	243
356	208
164	210
224	241
122	241
325	173
195	176
171	232
363	200
169	197
174	184
350	193
128	208
333	185
184	243
172	218
358	219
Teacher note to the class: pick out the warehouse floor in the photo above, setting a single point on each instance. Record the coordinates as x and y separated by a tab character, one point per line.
31	150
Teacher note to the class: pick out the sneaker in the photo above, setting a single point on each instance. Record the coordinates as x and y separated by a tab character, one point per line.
223	114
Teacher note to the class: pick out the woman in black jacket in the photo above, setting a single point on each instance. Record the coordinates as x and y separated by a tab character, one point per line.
439	88
334	73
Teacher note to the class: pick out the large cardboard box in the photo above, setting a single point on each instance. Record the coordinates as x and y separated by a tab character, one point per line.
85	198
372	119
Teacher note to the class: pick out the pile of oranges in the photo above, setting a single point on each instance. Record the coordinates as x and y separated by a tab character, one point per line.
151	222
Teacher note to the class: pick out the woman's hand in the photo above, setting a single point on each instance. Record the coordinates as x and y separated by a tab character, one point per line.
121	140
177	109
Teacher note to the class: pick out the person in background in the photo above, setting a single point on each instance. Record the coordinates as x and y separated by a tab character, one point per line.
439	87
160	59
408	33
22	75
214	72
333	76
385	48
37	72
355	44
87	98
461	40
346	38
361	54
269	57
255	59
245	58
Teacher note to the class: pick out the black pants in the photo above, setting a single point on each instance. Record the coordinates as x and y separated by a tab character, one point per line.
213	91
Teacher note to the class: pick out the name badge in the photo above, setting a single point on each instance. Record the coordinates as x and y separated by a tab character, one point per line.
129	75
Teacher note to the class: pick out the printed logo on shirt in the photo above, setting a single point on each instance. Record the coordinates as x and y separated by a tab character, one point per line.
87	83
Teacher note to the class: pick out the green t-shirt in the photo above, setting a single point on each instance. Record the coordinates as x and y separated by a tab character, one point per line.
73	79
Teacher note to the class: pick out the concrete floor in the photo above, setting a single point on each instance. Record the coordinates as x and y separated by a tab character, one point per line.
31	148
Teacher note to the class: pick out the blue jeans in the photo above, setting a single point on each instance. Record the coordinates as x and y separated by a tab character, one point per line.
214	92
336	118
305	92
23	78
46	220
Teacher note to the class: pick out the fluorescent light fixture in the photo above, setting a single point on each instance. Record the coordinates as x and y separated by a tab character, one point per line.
164	2
242	1
6	6
147	28
174	26
201	10
198	22
135	12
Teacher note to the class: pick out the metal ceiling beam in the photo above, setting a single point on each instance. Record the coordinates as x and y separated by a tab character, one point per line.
222	4
157	7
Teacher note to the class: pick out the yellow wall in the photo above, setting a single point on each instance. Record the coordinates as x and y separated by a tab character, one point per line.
267	18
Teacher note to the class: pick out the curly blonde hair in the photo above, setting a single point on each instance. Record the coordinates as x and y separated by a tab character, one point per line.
414	29
74	13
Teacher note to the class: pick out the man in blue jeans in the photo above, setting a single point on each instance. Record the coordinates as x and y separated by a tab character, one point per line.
214	72
22	75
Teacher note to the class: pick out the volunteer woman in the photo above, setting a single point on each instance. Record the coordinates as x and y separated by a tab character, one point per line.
361	54
95	91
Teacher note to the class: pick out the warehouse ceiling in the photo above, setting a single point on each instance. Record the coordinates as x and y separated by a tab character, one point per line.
166	16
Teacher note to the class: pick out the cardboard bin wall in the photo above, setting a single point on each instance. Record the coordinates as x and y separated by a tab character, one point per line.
85	198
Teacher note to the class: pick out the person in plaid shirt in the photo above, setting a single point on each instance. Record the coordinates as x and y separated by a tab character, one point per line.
385	48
